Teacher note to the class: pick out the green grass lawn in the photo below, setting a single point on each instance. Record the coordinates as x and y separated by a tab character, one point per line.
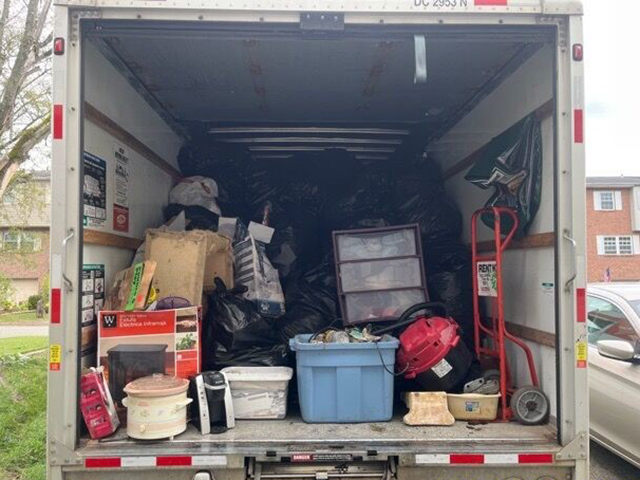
20	317
11	346
23	398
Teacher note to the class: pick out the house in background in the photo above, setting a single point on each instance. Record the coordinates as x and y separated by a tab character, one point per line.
613	229
24	234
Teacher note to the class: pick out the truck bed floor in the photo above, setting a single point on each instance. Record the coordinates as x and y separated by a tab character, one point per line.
256	437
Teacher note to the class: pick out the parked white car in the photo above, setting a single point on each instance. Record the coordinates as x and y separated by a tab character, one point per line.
613	316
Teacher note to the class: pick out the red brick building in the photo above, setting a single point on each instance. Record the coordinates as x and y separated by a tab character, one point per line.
613	228
24	236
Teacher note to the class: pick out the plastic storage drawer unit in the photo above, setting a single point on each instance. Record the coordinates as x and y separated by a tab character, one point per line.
345	382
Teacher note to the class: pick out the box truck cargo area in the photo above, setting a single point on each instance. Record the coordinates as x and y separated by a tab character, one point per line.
362	93
277	94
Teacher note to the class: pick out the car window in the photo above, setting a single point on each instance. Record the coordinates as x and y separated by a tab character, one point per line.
605	321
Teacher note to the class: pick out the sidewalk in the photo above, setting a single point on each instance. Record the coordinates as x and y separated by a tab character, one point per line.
8	331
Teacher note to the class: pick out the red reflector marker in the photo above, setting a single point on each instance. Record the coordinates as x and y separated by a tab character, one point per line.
581	316
58	46
55	305
578	125
57	121
173	461
535	458
107	462
464	459
578	52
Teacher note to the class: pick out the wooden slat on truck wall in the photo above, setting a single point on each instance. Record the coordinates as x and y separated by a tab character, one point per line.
532	334
99	119
95	237
541	113
538	240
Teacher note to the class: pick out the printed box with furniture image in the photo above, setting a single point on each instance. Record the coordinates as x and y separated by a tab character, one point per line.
135	344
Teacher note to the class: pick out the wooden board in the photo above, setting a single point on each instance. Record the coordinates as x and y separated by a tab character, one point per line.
106	239
538	240
532	334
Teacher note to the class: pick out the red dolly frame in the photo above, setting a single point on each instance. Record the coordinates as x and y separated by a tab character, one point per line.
497	330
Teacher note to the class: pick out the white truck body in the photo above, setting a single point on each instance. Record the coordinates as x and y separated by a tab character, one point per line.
105	93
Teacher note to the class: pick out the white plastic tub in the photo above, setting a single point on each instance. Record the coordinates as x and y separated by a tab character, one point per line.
259	392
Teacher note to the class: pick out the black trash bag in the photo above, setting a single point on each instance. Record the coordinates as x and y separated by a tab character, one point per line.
312	303
234	333
446	257
455	290
295	246
418	173
225	163
439	219
365	204
200	218
512	164
334	169
274	356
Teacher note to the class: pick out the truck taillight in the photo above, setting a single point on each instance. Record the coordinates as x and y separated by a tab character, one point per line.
58	46
578	52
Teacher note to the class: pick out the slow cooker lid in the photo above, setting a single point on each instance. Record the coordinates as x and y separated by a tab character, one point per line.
156	385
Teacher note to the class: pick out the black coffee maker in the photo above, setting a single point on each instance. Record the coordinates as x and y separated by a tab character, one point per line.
212	407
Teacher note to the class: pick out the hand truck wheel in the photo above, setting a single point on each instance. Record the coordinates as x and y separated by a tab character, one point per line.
530	406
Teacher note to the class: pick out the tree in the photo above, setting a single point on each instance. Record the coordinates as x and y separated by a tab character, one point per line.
25	69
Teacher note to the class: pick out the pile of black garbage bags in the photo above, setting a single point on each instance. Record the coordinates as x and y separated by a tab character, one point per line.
305	198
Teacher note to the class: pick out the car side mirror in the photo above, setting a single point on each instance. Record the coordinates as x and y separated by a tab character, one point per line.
617	349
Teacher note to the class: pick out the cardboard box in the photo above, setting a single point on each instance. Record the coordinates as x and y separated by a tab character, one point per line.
178	329
219	261
180	263
131	287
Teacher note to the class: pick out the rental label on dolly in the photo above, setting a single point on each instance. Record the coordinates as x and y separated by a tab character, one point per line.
487	279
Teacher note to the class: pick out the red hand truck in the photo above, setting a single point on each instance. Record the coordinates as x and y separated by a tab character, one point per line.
529	405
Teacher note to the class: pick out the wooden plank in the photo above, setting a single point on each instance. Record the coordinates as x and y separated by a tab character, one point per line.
95	237
532	334
541	113
538	240
99	119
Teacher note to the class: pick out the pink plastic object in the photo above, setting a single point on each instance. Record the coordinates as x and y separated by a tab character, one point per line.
97	407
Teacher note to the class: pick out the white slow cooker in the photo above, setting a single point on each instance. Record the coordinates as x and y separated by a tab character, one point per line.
156	406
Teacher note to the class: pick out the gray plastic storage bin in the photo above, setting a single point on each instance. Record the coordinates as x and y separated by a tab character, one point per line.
379	271
345	382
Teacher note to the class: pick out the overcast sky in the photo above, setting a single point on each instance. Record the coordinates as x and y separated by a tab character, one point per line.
612	63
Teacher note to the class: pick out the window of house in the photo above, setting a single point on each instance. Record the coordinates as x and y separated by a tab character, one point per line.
625	246
607	200
605	321
23	242
618	244
11	242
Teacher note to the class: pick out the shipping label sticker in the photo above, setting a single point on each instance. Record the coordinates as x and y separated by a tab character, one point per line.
581	354
55	357
487	279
